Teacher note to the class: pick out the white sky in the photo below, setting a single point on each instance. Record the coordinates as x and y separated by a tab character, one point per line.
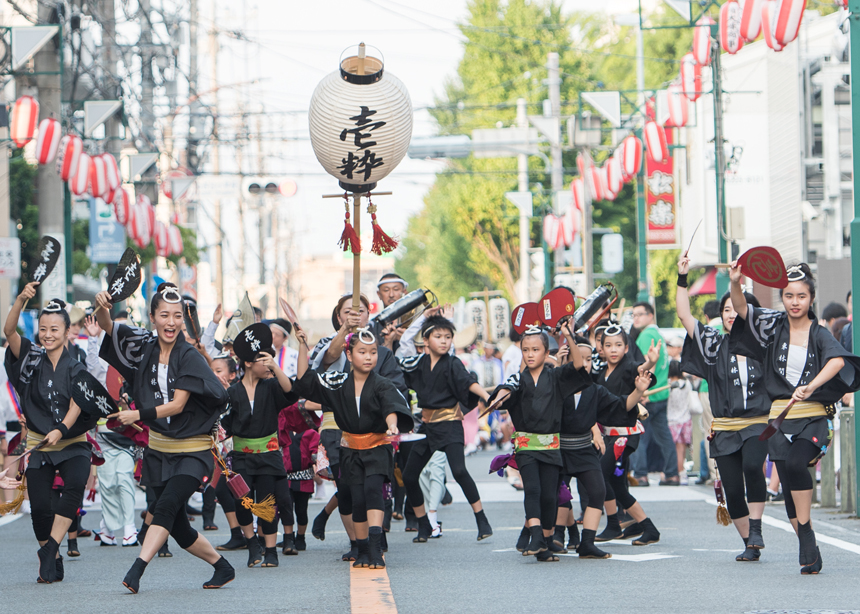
294	45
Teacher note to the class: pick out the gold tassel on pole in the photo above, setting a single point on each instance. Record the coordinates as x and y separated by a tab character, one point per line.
14	505
264	510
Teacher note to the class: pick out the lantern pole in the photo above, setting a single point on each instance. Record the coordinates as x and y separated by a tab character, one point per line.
356	258
854	30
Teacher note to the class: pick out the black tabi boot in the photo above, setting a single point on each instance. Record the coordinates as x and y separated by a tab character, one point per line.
633	530
386	515
612	530
808	548
289	545
587	549
47	561
318	527
224	574
301	544
537	543
650	534
72	547
755	539
164	552
625	519
573	537
484	528
546	557
255	551
411	519
353	551
375	543
141	535
363	558
132	578
384	543
554	547
237	540
270	558
523	540
749	555
811	570
425	530
558	535
61	571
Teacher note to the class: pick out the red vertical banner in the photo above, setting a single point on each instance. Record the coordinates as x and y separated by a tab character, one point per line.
661	202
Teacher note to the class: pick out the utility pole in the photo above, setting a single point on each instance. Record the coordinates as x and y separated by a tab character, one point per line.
587	238
5	284
719	161
53	216
216	154
641	228
854	26
148	183
525	219
554	86
261	212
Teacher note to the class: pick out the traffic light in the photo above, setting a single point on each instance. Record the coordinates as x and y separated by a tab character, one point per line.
273	186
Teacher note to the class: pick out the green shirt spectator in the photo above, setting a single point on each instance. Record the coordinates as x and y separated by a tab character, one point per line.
643	320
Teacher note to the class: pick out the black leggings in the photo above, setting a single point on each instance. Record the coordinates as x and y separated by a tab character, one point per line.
40	482
343	494
456	461
616	485
168	508
794	471
367	496
591	488
290	500
744	465
261	487
540	487
224	496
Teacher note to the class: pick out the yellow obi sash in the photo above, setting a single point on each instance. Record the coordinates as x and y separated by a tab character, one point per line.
445	414
801	409
169	445
737	424
259	445
34	438
328	422
364	441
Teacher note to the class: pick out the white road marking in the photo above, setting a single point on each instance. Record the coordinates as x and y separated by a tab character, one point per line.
8	519
635	558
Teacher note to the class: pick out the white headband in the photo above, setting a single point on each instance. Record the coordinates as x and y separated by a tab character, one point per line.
171	295
280	328
53	307
392	280
612	331
795	273
365	336
531	329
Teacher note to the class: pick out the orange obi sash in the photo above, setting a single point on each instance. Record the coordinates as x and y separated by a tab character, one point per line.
364	441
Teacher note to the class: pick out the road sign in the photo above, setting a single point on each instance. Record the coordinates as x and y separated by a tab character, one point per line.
97	112
107	236
10	258
608	104
210	187
26	41
523	201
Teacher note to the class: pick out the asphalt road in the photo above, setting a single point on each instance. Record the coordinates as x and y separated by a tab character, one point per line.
692	569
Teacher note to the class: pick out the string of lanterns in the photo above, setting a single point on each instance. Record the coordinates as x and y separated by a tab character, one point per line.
97	175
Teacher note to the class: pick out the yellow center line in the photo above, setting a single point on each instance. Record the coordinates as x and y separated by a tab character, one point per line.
370	591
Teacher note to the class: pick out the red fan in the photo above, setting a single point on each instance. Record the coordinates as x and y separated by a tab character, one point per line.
555	305
525	315
291	316
763	265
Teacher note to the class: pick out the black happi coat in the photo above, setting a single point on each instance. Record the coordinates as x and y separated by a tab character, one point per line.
536	407
622	382
706	354
45	394
261	421
134	352
581	412
443	386
764	336
379	397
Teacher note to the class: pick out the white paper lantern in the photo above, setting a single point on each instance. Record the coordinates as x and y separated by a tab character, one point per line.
614	175
553	232
655	142
80	180
174	240
679	106
730	27
768	15
631	160
25	115
691	77
159	237
578	191
112	172
122	206
360	121
786	20
750	19
69	156
98	177
48	141
603	176
702	41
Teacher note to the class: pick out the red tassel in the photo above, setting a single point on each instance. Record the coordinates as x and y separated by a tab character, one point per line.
349	240
382	243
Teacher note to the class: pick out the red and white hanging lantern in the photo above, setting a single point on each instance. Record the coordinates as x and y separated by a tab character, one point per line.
730	27
655	141
25	115
679	106
768	14
691	77
79	181
69	156
174	239
568	227
552	232
48	141
142	228
98	177
750	19
603	175
159	237
702	41
578	191
614	175
122	206
114	179
786	20
593	174
632	156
